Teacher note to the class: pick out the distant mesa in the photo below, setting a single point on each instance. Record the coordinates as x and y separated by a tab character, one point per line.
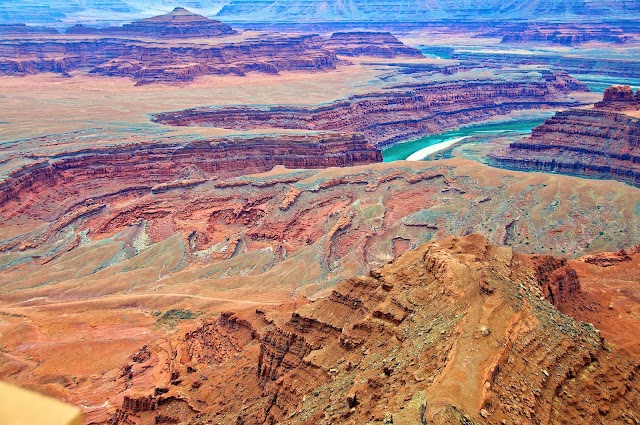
132	50
179	23
425	11
603	142
571	35
365	43
23	29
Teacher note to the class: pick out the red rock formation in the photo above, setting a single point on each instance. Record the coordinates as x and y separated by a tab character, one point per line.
619	98
155	163
420	341
621	67
136	404
568	35
609	259
380	44
13	30
618	94
131	51
148	62
603	142
558	281
179	23
398	113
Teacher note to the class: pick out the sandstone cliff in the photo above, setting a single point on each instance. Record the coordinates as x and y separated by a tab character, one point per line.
180	46
395	114
148	61
600	142
380	44
164	162
457	331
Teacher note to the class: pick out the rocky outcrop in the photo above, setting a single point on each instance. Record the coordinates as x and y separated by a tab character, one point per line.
620	98
398	113
147	61
456	330
557	280
17	30
155	163
603	142
367	345
179	23
379	44
136	404
180	46
611	258
623	67
567	35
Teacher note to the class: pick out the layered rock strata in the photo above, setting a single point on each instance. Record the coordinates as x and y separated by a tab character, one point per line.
148	61
12	30
379	44
179	23
452	332
573	64
165	162
567	35
395	114
180	46
600	142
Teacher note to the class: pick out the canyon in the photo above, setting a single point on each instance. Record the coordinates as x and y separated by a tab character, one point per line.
165	162
601	142
180	46
180	299
401	111
456	330
196	225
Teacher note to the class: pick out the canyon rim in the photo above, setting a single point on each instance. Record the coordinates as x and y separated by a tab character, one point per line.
318	212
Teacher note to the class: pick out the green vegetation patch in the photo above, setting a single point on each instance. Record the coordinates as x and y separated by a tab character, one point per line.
172	317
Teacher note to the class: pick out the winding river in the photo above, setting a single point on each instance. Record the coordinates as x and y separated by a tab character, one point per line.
418	149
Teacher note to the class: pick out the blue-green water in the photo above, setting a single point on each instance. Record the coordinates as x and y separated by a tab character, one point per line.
598	83
402	151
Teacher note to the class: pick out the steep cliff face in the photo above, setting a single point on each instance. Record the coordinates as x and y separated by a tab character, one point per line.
13	30
95	266
456	331
565	34
396	114
624	67
180	46
154	163
565	37
434	10
602	142
179	23
619	98
147	61
380	44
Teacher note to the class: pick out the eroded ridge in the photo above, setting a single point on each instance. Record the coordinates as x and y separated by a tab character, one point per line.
397	113
456	331
601	142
